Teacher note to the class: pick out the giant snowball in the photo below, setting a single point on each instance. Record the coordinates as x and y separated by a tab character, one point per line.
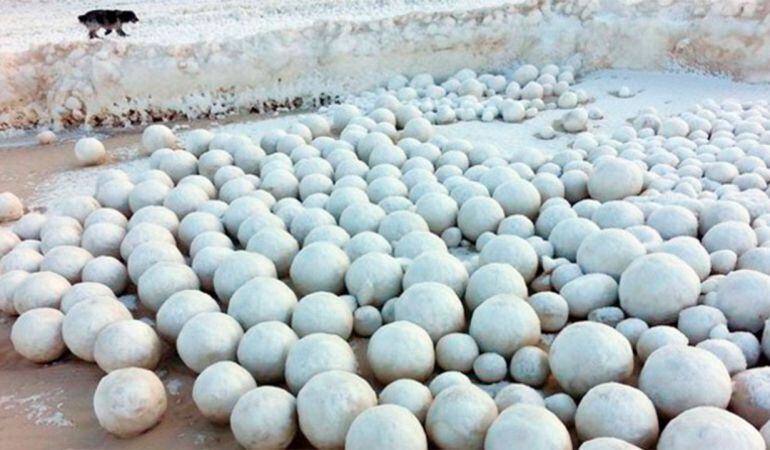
314	354
615	179
460	416
90	151
181	307
130	401
208	338
709	427
503	324
529	426
156	137
743	298
513	250
492	279
586	354
609	251
434	307
320	266
218	388
374	278
264	348
11	207
401	350
264	418
328	404
36	335
386	427
237	269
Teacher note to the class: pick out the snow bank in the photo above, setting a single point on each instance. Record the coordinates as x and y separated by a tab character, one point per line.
229	67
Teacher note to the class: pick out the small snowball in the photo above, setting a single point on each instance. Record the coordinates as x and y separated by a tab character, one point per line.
218	388
90	151
128	402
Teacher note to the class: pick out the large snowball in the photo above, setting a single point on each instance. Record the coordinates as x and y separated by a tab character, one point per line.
750	392
503	324
39	290
156	137
374	278
237	269
743	298
208	338
130	401
90	151
322	312
11	207
85	320
264	348
586	354
127	343
386	427
529	426
314	354
265	418
179	308
36	335
492	279
709	427
513	250
439	267
609	251
460	416
401	350
218	388
320	266
615	179
434	307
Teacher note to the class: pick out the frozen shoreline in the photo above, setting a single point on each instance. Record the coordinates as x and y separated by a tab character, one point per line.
119	82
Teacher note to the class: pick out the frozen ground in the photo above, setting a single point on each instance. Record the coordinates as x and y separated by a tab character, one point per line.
189	59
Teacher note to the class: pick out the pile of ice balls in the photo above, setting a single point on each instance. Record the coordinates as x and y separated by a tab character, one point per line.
550	280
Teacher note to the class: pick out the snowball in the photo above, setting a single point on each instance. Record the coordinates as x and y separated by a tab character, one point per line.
477	215
386	427
460	416
237	269
517	393
150	253
410	394
36	335
179	308
67	261
530	426
28	227
329	403
589	292
11	207
321	266
492	279
262	299
46	137
677	378
108	271
162	280
39	290
619	411
314	354
529	365
84	321
264	348
518	197
218	388
129	401
439	211
697	321
155	137
207	338
374	278
127	343
709	427
730	354
609	251
264	418
490	367
401	350
503	324
322	312
439	267
615	179
750	390
742	297
586	354
657	337
511	250
563	406
432	306
737	237
90	151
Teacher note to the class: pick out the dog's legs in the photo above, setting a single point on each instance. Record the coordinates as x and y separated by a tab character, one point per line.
120	32
92	34
109	30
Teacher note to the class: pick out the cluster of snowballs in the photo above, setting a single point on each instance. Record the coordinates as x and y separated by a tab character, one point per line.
549	280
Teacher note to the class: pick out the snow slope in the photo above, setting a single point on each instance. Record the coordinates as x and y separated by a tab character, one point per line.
202	58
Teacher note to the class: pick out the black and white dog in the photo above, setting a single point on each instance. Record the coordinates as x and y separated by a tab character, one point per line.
109	19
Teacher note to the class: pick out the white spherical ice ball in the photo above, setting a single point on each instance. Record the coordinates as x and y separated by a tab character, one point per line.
84	322
37	336
386	427
432	306
217	389
437	267
128	402
39	290
456	352
264	418
322	312
329	403
108	271
314	354
586	354
155	137
262	299
410	394
503	324
401	350
609	251
237	269
460	416
90	151
264	348
11	207
164	279
321	266
532	426
374	278
529	365
709	427
179	308
127	343
742	297
615	179
750	388
207	338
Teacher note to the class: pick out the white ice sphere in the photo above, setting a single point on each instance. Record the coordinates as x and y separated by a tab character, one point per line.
67	261
671	221
551	309
144	232
563	406
321	266
386	427
586	354
673	126
9	281
264	348
410	394
398	224
657	337
328	404
478	215
689	250
697	321
366	320
374	278
237	269
568	234
729	353
90	151
742	297
589	292
25	259
490	367
750	389
517	393
11	207
503	324
460	416
709	427
314	354
416	243
197	141
656	287
84	291
677	378
127	343
322	312
456	352
735	236
28	227
46	137
128	402
401	350
196	223
103	239
615	179
513	250
609	251
217	389
207	338
179	308
36	335
262	299
264	418
619	411
439	211
529	365
575	120
156	137
108	271
162	280
530	426
518	197
492	279
433	306
85	320
39	290
150	253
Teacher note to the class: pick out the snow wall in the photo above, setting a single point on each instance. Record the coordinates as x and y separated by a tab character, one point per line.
117	82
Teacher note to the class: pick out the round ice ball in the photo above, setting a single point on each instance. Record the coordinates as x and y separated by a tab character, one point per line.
503	324
130	401
750	388
237	269
262	299
709	427
162	280
456	351
207	338
433	306
401	350
530	426
677	378
619	411
179	308
156	136
108	271
492	279
742	297
217	389
90	151
11	207
460	416
374	278
513	250
84	322
386	427
529	365
329	403
615	179
127	343
264	418
264	348
38	290
586	354
314	354
321	266
36	335
410	394
609	251
322	312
